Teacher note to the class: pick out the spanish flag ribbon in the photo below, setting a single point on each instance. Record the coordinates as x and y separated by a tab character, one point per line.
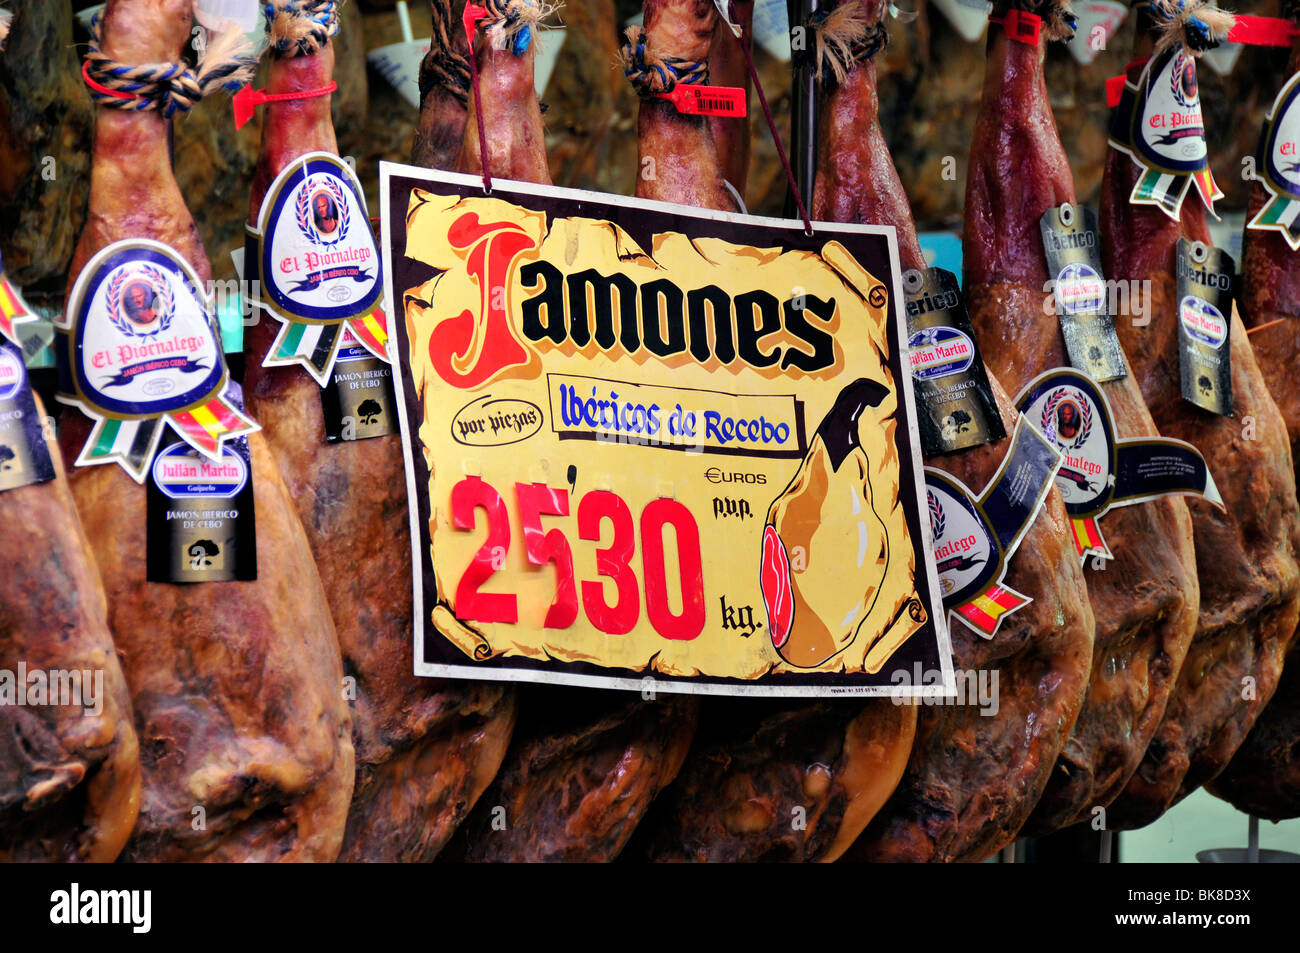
1168	189
316	346
372	331
1207	187
207	426
133	443
13	310
986	611
1088	539
1281	214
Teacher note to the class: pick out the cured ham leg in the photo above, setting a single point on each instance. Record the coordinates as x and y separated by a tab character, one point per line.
1249	585
727	68
757	765
245	737
970	780
425	748
1145	599
1263	777
444	84
516	140
583	765
678	158
69	775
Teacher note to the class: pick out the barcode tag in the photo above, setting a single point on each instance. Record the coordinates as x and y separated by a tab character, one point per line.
694	100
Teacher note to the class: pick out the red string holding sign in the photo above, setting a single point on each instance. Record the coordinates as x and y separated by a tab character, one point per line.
776	136
474	13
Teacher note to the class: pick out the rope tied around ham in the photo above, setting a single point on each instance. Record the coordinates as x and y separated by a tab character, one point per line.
654	75
301	27
1198	25
512	24
1059	21
445	66
842	37
226	64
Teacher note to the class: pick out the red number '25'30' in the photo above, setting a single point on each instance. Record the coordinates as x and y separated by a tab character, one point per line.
613	562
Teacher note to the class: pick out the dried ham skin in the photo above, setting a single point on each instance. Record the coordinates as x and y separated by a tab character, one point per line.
1245	555
1145	600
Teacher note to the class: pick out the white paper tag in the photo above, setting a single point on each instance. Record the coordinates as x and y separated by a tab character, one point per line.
772	28
724	11
399	63
246	13
1223	58
1098	21
548	54
968	17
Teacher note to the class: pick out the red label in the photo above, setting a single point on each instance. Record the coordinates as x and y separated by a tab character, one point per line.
693	100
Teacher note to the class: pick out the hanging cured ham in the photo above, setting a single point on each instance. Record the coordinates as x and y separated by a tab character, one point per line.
426	748
245	736
69	766
1263	777
444	89
727	68
583	765
678	158
777	781
1249	587
1145	599
970	780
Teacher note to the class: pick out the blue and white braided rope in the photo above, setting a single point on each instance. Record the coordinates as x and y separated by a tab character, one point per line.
167	88
301	27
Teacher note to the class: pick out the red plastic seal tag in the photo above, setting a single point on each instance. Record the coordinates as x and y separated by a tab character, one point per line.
1021	26
1115	85
1263	31
694	100
473	13
248	99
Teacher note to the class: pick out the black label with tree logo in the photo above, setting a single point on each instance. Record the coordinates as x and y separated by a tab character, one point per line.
955	406
359	402
202	524
1072	246
1205	284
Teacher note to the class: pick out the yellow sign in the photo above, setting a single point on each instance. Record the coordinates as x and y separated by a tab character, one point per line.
652	441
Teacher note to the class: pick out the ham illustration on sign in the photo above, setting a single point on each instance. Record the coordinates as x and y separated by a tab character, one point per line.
606	405
830	494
